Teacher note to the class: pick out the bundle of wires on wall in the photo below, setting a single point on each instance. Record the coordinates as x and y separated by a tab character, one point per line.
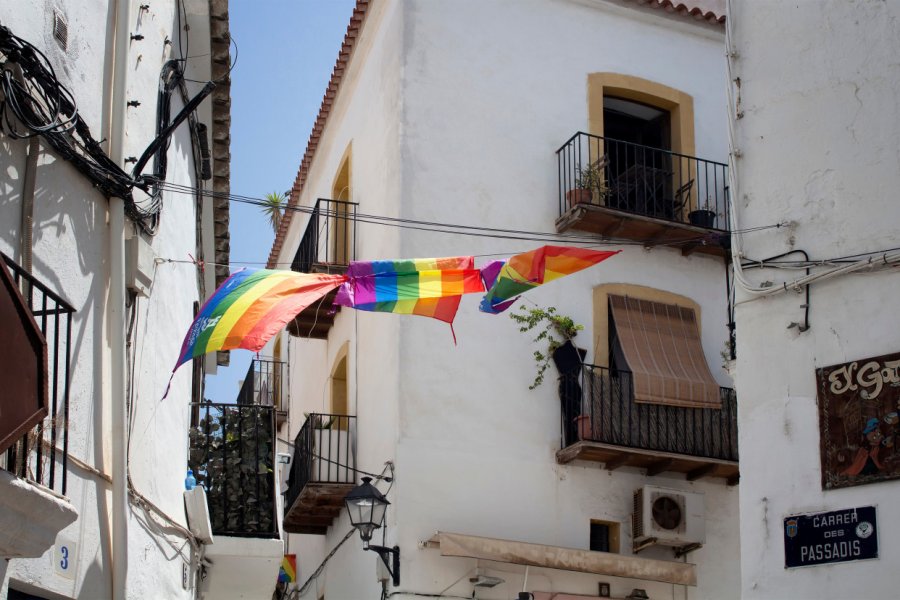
34	102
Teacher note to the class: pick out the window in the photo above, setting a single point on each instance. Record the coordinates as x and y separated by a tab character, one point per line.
636	122
657	338
642	123
604	536
660	345
340	250
339	401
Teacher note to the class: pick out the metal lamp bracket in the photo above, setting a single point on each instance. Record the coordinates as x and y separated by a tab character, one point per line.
393	566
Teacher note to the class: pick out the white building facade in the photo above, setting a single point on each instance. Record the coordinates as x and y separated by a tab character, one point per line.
814	114
93	507
464	114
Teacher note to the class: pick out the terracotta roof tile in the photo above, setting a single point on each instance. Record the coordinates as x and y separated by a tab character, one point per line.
712	11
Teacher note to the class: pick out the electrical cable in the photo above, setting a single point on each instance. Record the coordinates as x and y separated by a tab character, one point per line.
34	102
760	291
468	230
315	574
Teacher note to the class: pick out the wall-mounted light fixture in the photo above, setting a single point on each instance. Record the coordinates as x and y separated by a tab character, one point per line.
367	507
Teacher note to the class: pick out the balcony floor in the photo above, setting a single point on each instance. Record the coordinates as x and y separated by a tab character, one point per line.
655	462
316	508
611	222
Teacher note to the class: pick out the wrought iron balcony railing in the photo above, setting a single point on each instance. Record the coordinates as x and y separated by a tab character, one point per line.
641	180
613	417
37	456
232	455
323	453
329	242
266	384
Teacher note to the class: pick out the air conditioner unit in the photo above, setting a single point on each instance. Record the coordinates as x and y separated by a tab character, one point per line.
668	517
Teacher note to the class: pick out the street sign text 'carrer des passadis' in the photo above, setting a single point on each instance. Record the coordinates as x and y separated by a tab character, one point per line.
830	537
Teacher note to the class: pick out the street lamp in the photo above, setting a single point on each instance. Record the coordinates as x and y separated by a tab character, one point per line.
367	506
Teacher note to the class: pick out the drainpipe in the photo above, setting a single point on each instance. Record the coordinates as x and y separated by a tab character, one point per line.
116	312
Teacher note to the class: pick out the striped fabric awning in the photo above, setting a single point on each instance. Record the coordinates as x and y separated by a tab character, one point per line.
661	344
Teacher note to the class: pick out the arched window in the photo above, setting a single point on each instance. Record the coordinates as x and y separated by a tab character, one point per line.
340	224
648	136
339	398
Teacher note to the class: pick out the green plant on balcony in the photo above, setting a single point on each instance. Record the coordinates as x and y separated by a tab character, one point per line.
552	328
590	184
231	456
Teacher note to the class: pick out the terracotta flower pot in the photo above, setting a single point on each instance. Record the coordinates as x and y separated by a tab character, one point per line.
584	427
579	196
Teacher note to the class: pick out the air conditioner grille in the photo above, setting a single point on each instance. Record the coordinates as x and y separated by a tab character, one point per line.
637	515
60	31
666	513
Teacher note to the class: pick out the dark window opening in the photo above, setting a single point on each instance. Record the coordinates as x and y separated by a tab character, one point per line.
637	148
617	360
604	536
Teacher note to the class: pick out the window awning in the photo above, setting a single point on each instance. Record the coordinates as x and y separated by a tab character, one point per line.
661	344
567	559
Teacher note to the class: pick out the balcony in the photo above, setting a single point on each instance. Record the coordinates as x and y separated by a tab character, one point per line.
41	454
266	384
232	452
34	413
322	472
327	246
232	455
613	429
650	195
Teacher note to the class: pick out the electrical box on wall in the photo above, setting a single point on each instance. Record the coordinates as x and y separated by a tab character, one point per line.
139	265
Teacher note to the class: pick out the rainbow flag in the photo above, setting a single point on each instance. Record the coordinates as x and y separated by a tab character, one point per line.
507	280
288	571
250	307
430	287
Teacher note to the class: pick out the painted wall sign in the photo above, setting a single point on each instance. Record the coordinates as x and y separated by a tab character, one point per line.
830	537
859	424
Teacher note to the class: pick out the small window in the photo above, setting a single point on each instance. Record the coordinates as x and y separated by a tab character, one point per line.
604	536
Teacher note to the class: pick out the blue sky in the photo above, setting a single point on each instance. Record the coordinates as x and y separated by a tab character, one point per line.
286	51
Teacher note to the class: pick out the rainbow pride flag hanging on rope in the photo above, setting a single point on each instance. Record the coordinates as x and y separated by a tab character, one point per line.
429	287
507	280
288	571
250	307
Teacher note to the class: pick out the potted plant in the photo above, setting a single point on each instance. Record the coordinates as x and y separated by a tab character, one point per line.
583	423
590	185
557	331
704	217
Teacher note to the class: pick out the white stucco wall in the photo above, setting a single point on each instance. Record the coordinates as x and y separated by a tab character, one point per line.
487	93
365	114
71	255
818	143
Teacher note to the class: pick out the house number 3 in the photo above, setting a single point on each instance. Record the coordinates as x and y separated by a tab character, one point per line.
66	556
